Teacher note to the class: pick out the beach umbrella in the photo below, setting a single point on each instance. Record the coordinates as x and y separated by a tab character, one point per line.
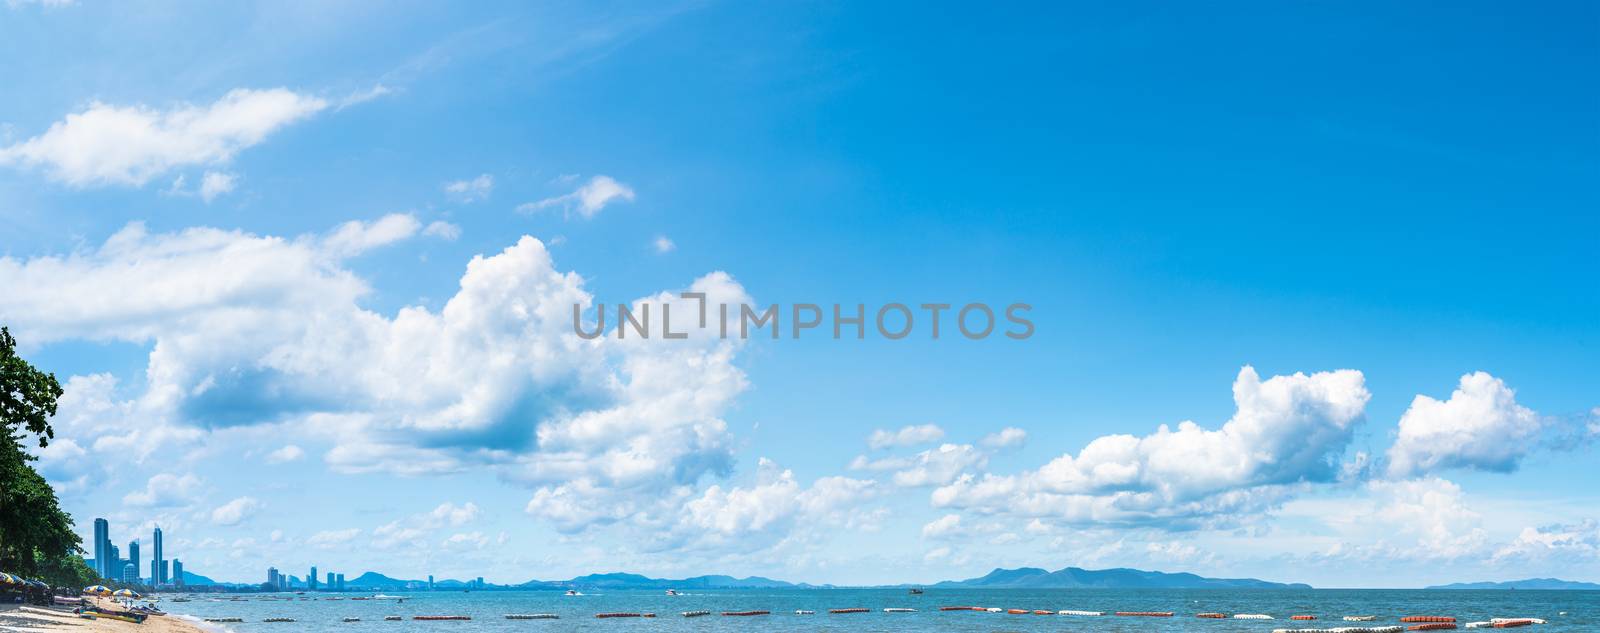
98	590
8	579
125	593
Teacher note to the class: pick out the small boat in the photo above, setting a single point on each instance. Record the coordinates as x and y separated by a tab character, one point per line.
915	591
672	592
573	592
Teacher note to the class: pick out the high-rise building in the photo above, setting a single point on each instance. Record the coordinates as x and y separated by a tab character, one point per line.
272	579
158	562
311	579
102	548
430	582
130	574
177	572
332	586
114	565
133	558
339	582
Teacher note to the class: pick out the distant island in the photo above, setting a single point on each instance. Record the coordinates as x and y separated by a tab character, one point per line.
1531	583
1121	578
1022	578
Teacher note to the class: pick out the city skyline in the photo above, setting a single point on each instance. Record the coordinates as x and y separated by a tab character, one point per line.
1309	287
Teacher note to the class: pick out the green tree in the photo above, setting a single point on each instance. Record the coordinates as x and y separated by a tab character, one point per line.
35	534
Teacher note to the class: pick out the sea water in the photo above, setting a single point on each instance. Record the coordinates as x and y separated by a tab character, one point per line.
321	612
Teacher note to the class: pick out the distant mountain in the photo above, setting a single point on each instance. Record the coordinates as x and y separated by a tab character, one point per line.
1075	578
375	580
1531	583
196	580
636	581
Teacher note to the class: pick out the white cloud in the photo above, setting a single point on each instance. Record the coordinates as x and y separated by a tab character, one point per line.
357	98
1287	430
1434	513
1481	427
442	230
235	511
288	453
465	540
1570	543
587	200
905	436
946	526
473	190
165	490
215	183
1009	437
453	515
664	245
939	466
329	539
772	506
107	144
356	237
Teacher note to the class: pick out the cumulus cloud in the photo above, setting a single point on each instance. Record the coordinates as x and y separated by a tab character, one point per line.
587	200
165	490
943	527
442	230
1287	430
1480	427
129	145
663	245
1434	513
1009	437
235	511
288	453
472	190
215	183
1572	543
328	539
771	506
356	237
905	436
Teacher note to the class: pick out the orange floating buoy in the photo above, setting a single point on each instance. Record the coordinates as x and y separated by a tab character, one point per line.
620	615
1511	624
1043	612
1432	626
1302	617
1213	616
1428	618
1017	611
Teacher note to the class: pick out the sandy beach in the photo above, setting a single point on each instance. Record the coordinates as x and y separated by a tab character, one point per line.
31	619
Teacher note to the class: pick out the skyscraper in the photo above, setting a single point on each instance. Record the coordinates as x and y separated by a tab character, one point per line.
158	562
102	548
130	574
339	582
177	572
272	579
114	565
133	558
311	579
332	586
430	582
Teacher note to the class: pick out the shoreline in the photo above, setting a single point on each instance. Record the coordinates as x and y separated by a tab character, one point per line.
33	619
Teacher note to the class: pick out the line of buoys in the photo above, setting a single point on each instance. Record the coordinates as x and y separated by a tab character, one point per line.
960	608
1211	616
440	617
1360	618
1427	618
1432	626
1509	620
1302	617
1251	616
993	610
695	614
225	619
849	610
1077	612
1147	614
391	618
625	615
746	613
1347	629
532	616
278	620
1017	611
804	612
1043	612
352	619
899	610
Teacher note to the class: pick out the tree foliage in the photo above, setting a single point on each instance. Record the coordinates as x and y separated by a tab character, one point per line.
35	534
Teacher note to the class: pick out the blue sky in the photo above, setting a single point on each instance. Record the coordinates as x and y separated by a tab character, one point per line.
236	230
